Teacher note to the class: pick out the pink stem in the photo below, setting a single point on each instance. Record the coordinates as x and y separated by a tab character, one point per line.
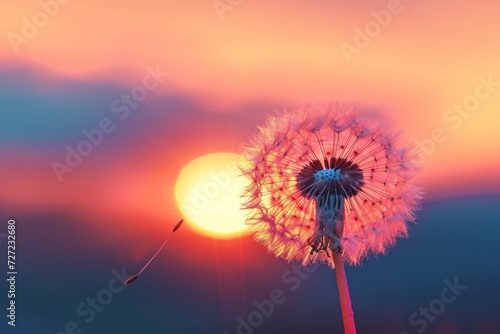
345	299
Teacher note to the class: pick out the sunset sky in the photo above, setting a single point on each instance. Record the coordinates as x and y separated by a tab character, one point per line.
214	71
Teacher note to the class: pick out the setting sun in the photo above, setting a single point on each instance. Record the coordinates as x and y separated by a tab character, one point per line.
208	192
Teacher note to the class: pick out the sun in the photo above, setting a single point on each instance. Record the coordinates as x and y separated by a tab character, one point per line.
208	193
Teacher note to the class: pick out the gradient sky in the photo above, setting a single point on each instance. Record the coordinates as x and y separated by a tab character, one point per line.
226	72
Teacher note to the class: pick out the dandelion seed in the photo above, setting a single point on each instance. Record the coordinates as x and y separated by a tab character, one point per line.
132	278
329	184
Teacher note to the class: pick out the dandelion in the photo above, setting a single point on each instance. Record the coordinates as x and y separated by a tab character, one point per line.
329	184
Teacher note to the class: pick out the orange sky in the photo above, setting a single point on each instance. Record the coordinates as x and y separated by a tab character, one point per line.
428	58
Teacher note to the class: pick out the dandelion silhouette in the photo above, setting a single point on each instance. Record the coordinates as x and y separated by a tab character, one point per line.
329	184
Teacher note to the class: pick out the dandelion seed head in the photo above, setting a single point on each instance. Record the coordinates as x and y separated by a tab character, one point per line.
329	178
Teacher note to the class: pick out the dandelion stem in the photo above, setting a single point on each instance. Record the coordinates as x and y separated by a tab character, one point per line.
345	299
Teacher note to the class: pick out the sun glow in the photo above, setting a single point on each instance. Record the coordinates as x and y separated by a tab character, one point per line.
208	192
